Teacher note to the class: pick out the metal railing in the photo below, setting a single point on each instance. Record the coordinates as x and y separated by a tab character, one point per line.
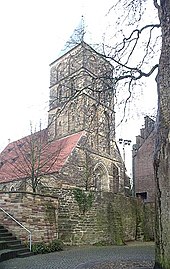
30	240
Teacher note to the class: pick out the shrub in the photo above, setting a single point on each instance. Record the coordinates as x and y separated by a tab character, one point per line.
84	199
56	245
41	247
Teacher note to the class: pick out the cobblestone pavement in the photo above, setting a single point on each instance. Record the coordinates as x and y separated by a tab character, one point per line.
131	256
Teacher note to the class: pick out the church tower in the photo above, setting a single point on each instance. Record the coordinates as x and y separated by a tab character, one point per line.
82	97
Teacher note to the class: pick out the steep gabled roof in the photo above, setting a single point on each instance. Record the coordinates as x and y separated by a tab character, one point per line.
35	153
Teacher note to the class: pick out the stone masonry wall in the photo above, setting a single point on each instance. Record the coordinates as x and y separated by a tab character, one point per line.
113	218
38	213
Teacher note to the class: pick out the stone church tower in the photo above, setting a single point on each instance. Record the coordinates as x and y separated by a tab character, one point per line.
78	147
82	99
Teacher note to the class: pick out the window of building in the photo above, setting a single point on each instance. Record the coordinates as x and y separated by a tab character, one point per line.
59	93
142	195
12	188
101	179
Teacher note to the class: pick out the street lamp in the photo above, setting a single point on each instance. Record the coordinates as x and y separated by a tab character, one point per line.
124	142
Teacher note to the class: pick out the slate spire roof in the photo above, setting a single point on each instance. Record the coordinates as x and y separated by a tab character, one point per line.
76	38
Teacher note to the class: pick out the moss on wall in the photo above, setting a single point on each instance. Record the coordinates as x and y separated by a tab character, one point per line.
112	218
115	227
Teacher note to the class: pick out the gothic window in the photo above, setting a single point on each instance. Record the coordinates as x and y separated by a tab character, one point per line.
71	65
53	76
60	72
58	122
12	188
58	127
101	179
59	93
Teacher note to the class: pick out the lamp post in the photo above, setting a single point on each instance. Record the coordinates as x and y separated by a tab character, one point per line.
124	142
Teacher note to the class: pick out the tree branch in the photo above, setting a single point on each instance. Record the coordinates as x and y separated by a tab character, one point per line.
155	2
140	74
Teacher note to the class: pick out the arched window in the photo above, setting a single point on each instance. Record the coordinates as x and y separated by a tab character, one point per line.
58	123
12	188
71	65
59	93
60	71
101	178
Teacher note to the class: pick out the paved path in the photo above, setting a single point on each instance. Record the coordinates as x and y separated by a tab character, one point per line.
133	255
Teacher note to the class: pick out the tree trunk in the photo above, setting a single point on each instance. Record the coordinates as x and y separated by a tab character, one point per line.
162	147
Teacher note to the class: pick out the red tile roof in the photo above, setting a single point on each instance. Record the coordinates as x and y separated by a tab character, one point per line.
34	153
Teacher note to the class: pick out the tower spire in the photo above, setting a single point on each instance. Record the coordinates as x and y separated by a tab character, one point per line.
82	27
76	38
78	34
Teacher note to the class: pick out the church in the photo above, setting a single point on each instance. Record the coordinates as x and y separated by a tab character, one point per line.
78	148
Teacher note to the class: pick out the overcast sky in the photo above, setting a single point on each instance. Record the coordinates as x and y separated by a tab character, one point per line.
32	34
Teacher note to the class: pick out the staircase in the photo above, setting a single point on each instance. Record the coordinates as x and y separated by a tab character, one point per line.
10	246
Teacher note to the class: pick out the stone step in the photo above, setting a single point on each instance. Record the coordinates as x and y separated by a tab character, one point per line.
7	254
10	246
5	233
3	245
7	238
12	242
2	230
20	250
24	254
16	246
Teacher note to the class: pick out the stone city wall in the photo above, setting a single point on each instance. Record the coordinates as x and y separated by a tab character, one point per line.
38	213
112	218
77	218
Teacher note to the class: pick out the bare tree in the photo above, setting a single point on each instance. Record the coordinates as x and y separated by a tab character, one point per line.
33	157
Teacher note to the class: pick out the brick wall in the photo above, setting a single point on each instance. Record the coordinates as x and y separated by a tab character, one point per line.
143	169
38	213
